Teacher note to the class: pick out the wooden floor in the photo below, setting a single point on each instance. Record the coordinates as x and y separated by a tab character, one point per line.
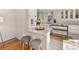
12	44
15	44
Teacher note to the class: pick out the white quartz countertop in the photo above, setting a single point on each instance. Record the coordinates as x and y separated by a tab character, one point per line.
42	32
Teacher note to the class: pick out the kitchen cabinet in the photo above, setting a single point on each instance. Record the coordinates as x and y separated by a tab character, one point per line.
43	35
70	14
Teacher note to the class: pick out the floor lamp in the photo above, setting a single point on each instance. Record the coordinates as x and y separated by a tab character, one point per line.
1	21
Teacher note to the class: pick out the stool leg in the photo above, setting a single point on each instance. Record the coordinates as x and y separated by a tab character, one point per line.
30	45
23	46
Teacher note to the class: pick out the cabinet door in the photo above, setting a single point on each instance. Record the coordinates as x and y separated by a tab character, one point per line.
76	13
71	14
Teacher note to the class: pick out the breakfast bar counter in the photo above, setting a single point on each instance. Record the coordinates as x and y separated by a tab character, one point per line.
43	35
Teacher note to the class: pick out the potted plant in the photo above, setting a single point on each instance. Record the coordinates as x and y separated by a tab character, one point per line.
38	24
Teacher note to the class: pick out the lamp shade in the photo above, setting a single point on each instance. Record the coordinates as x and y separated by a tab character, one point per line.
1	19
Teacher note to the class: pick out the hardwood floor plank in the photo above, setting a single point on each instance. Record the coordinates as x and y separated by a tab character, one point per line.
12	44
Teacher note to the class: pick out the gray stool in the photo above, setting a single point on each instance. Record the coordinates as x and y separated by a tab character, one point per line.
36	44
25	40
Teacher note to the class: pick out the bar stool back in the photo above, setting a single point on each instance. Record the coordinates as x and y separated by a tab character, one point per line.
36	44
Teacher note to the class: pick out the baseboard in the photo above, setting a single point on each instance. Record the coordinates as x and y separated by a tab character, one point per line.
17	38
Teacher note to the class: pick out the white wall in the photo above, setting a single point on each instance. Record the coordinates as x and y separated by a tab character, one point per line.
8	27
22	22
15	23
